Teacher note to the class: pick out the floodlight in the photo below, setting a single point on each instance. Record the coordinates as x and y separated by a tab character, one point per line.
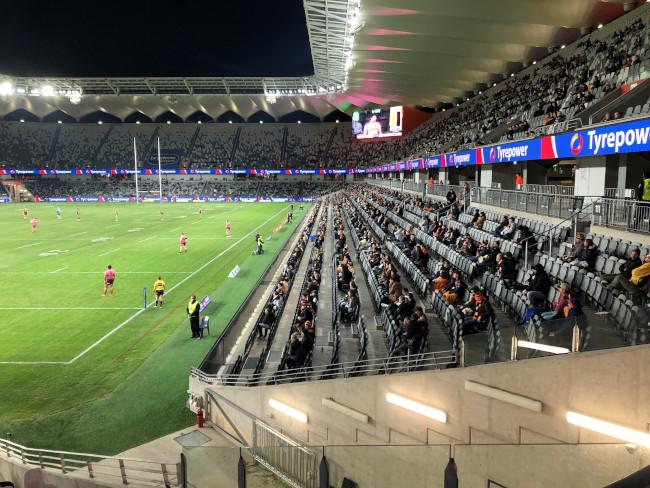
6	88
47	91
22	120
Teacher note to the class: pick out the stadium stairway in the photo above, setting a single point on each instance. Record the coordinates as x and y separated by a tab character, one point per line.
322	352
286	321
376	340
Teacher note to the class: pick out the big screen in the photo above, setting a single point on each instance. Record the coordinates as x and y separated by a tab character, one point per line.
377	122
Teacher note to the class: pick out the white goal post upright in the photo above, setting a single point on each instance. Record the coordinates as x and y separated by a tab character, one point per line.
159	172
135	167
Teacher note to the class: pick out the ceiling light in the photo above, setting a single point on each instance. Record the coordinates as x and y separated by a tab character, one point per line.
600	26
137	121
59	121
534	62
337	121
169	121
562	46
230	121
20	90
419	408
444	109
543	347
480	92
299	122
494	84
199	122
261	121
287	410
511	75
22	120
609	429
47	91
6	88
100	122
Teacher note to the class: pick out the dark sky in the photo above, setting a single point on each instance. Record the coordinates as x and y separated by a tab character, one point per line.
188	38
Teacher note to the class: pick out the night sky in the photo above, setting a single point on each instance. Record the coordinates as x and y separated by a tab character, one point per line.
112	39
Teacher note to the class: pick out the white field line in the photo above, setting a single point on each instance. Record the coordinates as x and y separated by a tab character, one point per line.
70	308
119	326
147	239
30	245
57	270
196	222
201	268
110	252
95	272
79	234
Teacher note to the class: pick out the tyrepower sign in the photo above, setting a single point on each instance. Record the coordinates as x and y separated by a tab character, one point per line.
612	139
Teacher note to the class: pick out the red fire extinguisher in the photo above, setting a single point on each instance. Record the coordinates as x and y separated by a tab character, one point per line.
199	418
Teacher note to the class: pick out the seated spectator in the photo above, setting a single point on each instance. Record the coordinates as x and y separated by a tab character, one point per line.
577	251
625	269
534	309
488	261
638	283
477	312
480	221
455	289
525	237
348	305
539	285
507	268
440	282
590	256
451	196
560	302
266	322
508	230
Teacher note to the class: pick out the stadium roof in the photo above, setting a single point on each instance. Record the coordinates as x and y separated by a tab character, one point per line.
419	52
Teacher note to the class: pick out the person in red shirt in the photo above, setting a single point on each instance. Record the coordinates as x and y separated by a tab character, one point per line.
34	223
109	279
228	228
519	181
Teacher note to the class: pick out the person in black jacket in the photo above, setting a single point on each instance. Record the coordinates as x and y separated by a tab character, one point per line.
539	285
506	268
265	323
633	262
193	311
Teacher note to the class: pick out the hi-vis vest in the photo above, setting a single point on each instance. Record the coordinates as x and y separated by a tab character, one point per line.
192	307
646	190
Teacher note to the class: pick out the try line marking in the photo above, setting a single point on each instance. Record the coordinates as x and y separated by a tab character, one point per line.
110	252
141	310
30	245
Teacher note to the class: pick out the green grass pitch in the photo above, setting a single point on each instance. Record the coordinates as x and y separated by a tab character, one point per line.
91	373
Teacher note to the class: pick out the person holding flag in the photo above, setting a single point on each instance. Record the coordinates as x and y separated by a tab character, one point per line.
159	289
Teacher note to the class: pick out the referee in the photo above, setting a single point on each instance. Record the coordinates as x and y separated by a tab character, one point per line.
159	289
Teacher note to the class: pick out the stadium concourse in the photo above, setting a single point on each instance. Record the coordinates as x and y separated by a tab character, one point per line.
415	266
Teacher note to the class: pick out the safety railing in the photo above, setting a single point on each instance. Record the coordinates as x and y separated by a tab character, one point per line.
628	215
629	193
293	463
94	466
397	364
548	189
558	206
286	458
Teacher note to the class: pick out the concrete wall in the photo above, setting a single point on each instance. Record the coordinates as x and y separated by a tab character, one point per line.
12	470
610	385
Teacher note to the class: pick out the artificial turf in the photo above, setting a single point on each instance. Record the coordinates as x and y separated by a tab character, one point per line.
62	386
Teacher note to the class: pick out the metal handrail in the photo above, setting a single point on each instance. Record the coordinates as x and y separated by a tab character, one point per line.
125	469
433	360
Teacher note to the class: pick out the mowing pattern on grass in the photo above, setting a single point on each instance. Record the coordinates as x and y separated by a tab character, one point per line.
64	345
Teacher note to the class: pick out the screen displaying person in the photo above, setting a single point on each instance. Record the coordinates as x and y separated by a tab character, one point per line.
372	127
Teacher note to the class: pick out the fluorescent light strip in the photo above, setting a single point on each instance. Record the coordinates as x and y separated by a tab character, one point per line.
504	396
287	410
419	408
350	412
612	430
543	347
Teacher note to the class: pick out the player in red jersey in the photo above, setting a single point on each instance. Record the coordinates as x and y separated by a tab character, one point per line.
34	223
109	279
183	243
228	228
